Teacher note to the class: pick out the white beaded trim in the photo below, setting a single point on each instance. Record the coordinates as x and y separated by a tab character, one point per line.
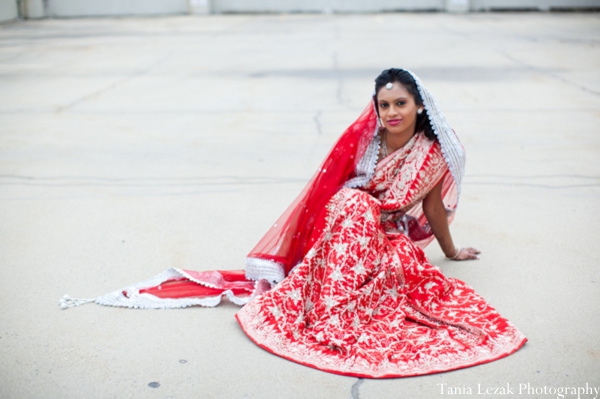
133	298
366	166
262	269
453	151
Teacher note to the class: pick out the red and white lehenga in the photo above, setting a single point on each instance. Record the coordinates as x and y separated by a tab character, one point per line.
365	301
340	283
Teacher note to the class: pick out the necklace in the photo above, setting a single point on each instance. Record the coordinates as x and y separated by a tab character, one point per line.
384	147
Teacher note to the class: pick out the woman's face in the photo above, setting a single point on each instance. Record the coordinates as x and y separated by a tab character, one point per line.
397	109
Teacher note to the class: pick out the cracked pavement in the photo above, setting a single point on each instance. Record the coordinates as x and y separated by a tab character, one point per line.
131	145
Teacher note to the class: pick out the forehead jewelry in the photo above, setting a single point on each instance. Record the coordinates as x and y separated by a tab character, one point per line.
389	86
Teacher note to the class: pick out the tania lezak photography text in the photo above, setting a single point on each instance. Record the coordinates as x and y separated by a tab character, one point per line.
522	389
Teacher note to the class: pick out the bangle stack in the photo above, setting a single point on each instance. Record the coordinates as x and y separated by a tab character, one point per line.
455	255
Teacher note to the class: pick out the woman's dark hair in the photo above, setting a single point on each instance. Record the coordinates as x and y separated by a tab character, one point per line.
406	80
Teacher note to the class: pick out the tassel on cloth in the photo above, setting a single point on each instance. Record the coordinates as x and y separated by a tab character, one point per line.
67	302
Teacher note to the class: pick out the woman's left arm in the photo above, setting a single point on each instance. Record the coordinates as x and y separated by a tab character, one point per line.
434	209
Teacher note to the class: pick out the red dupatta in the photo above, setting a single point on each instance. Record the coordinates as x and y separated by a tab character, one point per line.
294	233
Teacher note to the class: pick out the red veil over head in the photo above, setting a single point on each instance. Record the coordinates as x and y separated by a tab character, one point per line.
290	238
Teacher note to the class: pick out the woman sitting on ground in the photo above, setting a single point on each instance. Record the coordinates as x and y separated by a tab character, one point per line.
341	283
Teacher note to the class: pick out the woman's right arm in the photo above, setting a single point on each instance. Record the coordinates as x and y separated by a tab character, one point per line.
435	212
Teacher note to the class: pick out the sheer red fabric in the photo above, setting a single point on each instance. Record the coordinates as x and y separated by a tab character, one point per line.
291	236
216	282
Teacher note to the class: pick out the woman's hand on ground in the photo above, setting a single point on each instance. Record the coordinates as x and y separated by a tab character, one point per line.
467	253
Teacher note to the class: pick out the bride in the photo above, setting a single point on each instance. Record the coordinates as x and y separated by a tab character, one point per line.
340	282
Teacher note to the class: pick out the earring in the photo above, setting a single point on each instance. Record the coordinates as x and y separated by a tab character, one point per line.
420	111
380	126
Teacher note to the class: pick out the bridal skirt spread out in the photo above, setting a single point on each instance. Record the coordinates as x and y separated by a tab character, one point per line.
367	303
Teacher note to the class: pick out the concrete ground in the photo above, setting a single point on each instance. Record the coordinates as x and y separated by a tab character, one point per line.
128	146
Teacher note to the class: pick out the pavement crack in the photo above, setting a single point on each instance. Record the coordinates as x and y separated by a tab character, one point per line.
554	181
317	120
99	181
354	389
340	78
548	73
113	85
553	176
